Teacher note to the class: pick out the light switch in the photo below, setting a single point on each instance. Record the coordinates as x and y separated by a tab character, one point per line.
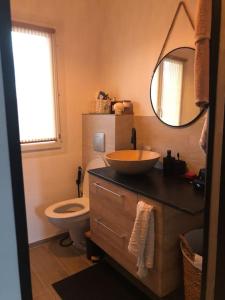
99	142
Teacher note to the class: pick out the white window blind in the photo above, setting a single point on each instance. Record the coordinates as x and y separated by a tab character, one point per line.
35	84
171	91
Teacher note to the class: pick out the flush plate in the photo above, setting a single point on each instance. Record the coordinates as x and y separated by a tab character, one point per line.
99	142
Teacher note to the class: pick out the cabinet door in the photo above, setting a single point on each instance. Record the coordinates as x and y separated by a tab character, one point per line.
169	223
113	211
114	203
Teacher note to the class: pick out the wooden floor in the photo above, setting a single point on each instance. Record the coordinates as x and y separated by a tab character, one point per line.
50	263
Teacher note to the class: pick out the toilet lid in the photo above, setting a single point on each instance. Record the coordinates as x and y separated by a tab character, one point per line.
68	208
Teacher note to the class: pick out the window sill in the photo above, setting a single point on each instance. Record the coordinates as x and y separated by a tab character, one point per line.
45	146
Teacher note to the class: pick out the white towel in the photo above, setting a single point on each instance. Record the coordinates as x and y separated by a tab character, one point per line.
142	240
198	262
204	135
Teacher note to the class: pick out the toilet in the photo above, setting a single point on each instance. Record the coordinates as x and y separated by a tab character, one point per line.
73	214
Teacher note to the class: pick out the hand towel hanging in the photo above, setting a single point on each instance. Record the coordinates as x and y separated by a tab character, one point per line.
142	240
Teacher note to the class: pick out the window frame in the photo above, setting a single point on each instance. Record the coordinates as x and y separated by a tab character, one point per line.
51	145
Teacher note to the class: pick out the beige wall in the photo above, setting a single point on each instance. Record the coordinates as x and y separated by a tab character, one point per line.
151	132
133	35
117	130
50	176
112	45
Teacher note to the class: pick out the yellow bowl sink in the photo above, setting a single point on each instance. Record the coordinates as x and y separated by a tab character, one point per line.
132	161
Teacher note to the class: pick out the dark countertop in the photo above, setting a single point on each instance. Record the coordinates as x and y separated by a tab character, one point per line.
170	191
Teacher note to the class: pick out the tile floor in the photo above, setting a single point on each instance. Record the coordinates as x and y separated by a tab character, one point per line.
50	263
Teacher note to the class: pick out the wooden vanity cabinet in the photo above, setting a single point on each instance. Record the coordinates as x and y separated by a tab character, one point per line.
112	215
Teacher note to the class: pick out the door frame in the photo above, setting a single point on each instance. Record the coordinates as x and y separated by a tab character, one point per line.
220	261
219	289
214	242
16	162
14	150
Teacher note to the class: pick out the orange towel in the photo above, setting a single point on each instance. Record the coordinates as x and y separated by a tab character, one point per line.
202	54
203	20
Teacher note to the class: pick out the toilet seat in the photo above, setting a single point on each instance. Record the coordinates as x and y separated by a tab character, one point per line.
59	210
73	215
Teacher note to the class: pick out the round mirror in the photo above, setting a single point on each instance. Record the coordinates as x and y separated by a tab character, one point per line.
172	89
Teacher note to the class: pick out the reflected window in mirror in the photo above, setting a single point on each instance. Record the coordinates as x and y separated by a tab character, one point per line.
167	89
172	88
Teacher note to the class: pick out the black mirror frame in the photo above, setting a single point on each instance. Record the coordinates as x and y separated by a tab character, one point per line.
173	126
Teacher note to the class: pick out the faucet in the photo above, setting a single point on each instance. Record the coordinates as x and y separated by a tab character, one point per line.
134	138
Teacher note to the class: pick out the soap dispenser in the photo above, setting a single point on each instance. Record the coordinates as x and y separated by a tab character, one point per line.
179	166
168	164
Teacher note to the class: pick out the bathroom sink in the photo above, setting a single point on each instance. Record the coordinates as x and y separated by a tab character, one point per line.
132	161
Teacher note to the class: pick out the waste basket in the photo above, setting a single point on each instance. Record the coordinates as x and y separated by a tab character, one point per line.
192	248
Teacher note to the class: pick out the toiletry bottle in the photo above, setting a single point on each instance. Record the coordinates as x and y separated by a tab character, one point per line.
168	163
179	166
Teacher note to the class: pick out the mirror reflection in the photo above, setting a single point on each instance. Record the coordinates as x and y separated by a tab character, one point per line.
172	88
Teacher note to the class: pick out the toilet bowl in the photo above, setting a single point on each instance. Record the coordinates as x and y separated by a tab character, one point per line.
73	214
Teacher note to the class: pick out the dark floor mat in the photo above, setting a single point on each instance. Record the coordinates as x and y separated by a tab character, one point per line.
99	282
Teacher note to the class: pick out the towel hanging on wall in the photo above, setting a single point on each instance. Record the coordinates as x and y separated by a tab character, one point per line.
202	53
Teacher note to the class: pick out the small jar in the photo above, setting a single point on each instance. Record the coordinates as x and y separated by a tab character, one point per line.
128	106
119	108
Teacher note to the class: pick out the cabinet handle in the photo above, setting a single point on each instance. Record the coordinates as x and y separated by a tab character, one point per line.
107	190
98	221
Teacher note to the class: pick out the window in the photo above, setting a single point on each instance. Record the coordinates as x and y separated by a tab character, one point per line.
167	90
171	91
36	90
